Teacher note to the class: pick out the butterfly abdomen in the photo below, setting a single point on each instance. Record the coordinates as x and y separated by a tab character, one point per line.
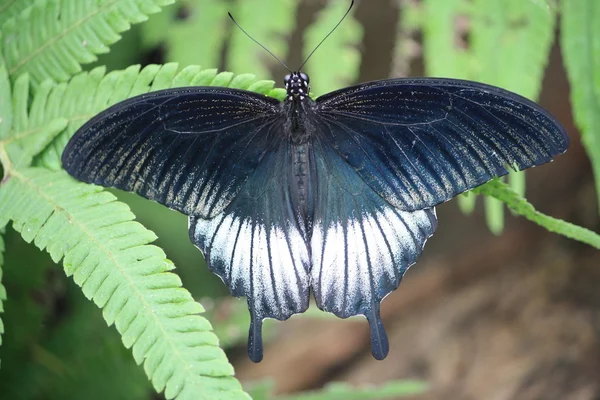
303	180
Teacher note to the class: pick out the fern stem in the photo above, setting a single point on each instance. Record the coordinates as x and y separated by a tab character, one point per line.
518	204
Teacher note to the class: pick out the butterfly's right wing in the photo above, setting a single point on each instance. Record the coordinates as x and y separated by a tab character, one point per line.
420	142
257	245
361	245
191	149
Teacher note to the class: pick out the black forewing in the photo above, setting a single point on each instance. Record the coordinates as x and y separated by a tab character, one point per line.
420	142
258	245
361	245
191	149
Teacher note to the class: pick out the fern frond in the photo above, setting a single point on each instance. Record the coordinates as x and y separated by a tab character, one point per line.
341	47
580	43
272	29
74	102
180	38
519	205
51	39
12	8
109	256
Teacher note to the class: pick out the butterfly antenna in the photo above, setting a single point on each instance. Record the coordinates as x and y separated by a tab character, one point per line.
256	41
329	34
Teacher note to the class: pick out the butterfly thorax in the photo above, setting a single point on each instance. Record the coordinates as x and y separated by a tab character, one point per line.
297	106
297	86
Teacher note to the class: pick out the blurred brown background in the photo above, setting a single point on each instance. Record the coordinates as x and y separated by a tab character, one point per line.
480	316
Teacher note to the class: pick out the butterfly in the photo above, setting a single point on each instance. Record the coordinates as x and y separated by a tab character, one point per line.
335	195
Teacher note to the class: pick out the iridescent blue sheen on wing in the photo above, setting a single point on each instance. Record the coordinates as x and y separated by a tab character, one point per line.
361	245
190	149
420	142
258	245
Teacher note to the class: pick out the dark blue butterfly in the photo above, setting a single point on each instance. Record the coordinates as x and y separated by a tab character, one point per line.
335	195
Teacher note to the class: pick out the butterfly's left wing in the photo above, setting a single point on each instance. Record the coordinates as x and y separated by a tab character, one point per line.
257	246
361	245
420	142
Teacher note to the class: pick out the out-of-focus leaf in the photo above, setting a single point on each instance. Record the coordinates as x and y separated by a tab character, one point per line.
190	32
342	391
271	23
337	62
580	40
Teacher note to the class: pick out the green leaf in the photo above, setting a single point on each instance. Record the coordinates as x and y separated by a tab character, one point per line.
88	93
508	42
519	205
343	391
109	256
53	38
505	43
579	42
203	19
12	8
337	62
272	29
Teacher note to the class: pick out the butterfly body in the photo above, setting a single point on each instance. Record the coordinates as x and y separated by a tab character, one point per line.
334	195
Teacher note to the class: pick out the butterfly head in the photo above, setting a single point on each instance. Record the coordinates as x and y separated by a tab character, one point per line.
297	85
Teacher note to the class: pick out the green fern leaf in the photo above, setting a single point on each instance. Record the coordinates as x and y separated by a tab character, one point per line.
579	42
12	8
341	46
519	205
109	256
88	93
503	43
182	38
53	38
271	29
